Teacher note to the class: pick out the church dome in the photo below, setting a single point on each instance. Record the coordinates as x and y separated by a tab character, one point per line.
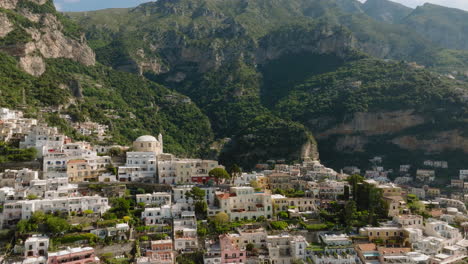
146	138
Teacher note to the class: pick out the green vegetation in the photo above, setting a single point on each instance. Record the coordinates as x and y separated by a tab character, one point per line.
447	25
290	192
190	258
128	104
279	225
219	174
41	222
12	153
252	72
198	196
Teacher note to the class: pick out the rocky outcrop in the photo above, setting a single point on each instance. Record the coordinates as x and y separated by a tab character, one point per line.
33	65
350	143
54	44
375	123
442	141
5	25
310	151
48	41
11	4
322	40
8	4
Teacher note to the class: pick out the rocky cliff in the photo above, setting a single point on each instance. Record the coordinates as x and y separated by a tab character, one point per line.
43	35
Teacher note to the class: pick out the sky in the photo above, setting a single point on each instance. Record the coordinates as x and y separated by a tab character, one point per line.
87	5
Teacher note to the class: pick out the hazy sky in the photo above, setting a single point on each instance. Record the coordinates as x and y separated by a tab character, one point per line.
85	5
461	4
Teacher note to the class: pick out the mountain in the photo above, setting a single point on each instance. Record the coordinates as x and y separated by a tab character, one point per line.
386	11
47	69
247	80
447	27
249	20
269	74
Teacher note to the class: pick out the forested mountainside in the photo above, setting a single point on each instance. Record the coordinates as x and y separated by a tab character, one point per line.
255	80
45	64
263	69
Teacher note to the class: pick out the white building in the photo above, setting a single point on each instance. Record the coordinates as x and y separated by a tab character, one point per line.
141	164
185	232
247	178
36	246
441	229
44	139
243	203
286	248
336	240
172	170
406	220
18	179
15	211
154	199
429	245
157	215
452	203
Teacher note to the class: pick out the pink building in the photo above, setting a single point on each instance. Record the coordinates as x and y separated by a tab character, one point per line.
73	256
230	252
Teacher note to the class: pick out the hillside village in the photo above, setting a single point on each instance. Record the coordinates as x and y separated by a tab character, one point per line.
73	202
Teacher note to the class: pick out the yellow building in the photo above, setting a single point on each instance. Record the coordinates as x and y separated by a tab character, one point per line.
385	234
80	171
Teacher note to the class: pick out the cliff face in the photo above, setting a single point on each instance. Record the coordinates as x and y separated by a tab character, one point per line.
44	37
355	133
447	27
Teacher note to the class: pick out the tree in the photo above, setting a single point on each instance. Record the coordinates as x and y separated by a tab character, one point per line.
115	151
354	180
346	193
88	212
126	219
279	225
350	212
219	174
57	225
235	171
120	207
24	226
221	218
254	184
283	215
196	194
249	247
32	197
201	209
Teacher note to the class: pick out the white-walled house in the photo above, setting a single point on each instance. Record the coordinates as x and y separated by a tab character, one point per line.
243	203
157	215
36	246
154	199
16	211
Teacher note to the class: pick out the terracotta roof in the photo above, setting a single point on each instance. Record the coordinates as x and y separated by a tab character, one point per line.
223	196
367	247
384	251
436	212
